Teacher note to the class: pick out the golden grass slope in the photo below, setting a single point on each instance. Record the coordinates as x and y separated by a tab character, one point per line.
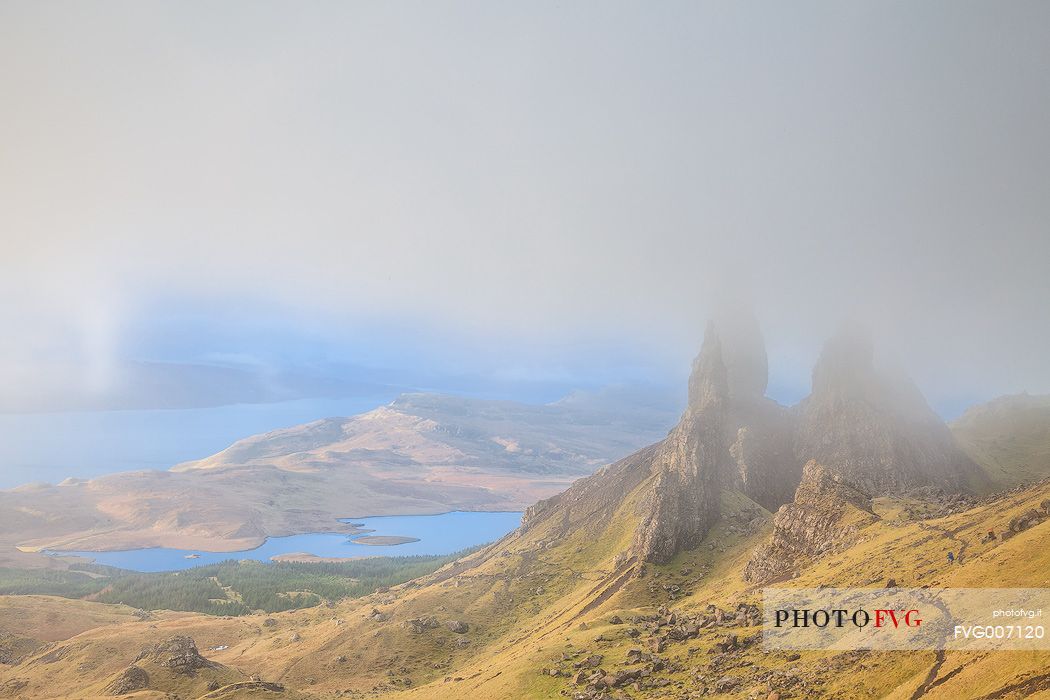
543	599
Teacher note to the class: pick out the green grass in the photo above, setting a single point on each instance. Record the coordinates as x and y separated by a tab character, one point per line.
227	588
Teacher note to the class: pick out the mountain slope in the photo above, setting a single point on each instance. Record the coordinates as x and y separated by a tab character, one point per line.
541	601
1009	437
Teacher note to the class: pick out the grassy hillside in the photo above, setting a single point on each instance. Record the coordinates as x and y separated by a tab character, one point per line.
1009	438
523	618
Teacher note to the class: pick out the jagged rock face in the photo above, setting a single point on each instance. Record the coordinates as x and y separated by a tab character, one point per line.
683	501
809	526
764	466
730	436
873	429
866	434
758	431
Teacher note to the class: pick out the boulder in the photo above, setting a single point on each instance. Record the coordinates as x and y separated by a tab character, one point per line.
457	626
419	625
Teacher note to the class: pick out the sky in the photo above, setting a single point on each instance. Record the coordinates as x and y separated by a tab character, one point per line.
205	203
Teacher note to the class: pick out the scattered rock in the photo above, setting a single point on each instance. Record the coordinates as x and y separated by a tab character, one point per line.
726	684
419	625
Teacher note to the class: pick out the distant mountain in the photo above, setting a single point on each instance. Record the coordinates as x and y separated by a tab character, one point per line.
423	453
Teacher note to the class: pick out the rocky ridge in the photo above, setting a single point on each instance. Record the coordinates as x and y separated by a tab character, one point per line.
864	432
729	437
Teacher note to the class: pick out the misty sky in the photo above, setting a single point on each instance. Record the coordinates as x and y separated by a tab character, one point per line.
551	192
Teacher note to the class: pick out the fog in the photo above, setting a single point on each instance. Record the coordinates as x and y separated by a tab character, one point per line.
547	179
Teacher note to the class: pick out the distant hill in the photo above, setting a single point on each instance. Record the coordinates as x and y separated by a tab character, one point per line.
423	453
1009	438
571	437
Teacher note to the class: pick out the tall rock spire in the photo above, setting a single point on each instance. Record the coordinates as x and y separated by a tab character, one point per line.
683	501
729	437
862	433
874	429
744	353
709	380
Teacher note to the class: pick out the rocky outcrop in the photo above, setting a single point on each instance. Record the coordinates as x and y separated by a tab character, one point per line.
419	625
758	432
682	502
668	642
1026	520
730	436
874	429
15	648
811	525
131	679
242	689
178	654
863	432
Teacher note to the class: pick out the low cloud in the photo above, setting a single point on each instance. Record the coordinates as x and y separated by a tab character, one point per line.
562	177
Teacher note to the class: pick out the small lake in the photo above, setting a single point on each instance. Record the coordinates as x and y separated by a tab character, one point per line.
436	534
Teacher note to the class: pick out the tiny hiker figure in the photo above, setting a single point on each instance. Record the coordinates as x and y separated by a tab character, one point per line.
951	557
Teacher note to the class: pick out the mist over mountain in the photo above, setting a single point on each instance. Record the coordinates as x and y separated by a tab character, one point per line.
571	183
688	289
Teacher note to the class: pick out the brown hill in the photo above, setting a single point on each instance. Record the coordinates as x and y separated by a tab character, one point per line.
420	454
